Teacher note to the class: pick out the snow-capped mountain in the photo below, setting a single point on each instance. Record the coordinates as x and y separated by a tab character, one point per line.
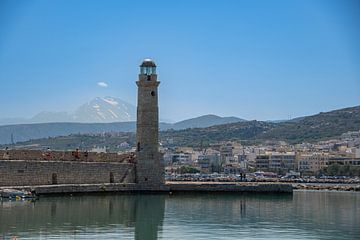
98	110
105	109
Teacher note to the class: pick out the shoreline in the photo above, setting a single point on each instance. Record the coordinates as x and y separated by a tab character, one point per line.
328	187
186	187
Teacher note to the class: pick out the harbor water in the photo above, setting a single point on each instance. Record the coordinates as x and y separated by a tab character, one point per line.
301	215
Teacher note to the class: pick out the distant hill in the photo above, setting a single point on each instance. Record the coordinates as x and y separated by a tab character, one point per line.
24	132
47	117
205	121
82	141
12	121
306	129
233	131
320	126
312	128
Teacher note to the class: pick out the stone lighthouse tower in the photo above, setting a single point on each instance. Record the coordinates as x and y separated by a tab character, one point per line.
150	165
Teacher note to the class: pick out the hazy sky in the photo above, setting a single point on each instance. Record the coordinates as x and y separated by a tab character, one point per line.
251	59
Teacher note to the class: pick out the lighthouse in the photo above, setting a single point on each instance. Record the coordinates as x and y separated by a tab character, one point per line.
149	161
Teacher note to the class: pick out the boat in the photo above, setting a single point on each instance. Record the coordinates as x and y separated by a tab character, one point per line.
16	194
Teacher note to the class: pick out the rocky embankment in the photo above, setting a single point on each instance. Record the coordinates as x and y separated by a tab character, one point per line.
330	187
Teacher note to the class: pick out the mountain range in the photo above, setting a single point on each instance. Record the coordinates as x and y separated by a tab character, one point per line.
98	110
321	126
109	114
24	132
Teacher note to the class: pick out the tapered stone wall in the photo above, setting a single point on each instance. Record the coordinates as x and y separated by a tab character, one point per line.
150	165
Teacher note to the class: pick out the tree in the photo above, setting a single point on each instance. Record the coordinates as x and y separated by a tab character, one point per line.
188	169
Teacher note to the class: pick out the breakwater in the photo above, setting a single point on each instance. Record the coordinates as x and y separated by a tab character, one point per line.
330	187
229	187
174	187
168	187
53	172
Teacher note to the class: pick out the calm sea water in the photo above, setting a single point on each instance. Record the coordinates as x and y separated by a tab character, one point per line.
303	215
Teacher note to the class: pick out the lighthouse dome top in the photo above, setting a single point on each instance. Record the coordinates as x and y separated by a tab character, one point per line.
148	63
148	67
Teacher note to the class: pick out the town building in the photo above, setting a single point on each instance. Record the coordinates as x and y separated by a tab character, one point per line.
276	161
209	163
312	162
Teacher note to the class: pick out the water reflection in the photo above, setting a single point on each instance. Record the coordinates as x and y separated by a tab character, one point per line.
320	215
149	215
131	216
304	215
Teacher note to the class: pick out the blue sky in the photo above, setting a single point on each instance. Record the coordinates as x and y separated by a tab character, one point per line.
251	59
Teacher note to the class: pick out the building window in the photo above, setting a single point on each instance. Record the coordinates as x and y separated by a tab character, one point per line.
153	93
138	146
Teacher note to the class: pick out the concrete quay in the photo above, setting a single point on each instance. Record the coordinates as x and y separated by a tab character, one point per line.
170	187
229	187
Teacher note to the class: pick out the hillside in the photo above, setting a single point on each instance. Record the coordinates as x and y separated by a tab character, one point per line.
205	121
307	129
112	142
234	131
316	127
25	132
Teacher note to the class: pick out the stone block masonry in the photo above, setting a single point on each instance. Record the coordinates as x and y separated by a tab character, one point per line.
64	156
30	172
150	164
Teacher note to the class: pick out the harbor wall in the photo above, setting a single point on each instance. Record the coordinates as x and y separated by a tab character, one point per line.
169	187
31	172
71	172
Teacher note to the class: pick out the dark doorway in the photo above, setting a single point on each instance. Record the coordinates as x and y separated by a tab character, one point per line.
111	177
54	178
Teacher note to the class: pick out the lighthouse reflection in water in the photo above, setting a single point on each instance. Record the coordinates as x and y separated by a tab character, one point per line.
303	215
